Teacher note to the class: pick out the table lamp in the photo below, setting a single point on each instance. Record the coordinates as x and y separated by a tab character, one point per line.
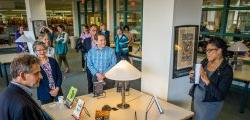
237	47
123	71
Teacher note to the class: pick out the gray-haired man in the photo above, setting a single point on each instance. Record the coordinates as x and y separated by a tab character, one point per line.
16	101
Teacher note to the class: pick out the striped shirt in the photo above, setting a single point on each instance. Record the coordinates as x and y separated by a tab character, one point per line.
100	60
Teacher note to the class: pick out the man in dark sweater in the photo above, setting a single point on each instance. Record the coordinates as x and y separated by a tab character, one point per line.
87	45
16	101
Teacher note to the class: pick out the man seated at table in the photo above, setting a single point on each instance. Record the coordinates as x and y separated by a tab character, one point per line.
99	60
16	101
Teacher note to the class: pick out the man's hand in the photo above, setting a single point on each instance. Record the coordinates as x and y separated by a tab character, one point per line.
54	92
100	76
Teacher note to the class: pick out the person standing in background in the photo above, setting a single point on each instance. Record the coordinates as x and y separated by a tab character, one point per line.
61	47
87	45
84	35
21	46
106	33
121	45
50	34
130	36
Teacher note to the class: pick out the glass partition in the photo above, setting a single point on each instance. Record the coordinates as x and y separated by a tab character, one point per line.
92	12
239	3
211	20
238	22
212	3
129	12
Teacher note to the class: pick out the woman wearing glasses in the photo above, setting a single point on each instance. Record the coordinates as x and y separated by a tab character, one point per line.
216	78
50	84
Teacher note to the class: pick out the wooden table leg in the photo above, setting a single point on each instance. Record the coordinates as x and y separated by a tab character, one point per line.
244	98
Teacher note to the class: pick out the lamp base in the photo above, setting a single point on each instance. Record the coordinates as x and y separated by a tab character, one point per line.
123	106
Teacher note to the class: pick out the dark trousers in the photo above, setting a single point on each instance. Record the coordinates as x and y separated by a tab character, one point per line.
83	59
62	58
90	82
120	57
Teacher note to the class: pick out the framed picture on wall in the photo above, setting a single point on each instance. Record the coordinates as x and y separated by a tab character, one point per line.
37	25
185	48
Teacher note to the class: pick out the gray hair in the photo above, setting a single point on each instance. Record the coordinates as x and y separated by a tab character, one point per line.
22	63
38	43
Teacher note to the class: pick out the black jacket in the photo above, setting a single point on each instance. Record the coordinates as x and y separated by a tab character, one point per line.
220	82
43	89
16	104
85	46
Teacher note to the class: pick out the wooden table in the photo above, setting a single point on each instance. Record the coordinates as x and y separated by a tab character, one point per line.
243	76
6	59
138	102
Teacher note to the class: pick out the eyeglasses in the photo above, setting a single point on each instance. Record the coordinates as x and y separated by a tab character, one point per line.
41	50
210	50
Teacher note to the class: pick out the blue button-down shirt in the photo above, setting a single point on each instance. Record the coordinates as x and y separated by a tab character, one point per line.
100	60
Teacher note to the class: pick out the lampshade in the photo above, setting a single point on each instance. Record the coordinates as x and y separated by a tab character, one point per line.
123	71
238	47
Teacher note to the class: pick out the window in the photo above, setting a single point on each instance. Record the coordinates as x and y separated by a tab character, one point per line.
129	12
238	20
226	18
240	3
211	20
212	3
92	12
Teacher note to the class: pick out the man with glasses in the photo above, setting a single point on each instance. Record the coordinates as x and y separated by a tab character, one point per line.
16	101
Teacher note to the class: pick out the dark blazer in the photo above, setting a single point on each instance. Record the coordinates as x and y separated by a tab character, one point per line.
85	46
220	82
16	104
43	89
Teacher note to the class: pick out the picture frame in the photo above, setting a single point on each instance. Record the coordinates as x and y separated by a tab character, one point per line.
185	49
37	25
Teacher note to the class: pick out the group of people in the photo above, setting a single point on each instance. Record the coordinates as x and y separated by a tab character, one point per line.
50	84
95	49
55	41
43	71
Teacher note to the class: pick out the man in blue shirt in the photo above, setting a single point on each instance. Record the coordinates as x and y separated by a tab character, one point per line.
99	60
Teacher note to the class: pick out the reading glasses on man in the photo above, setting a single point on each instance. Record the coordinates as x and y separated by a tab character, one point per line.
210	50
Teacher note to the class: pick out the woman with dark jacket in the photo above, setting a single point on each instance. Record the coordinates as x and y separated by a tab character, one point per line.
215	81
50	84
21	46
